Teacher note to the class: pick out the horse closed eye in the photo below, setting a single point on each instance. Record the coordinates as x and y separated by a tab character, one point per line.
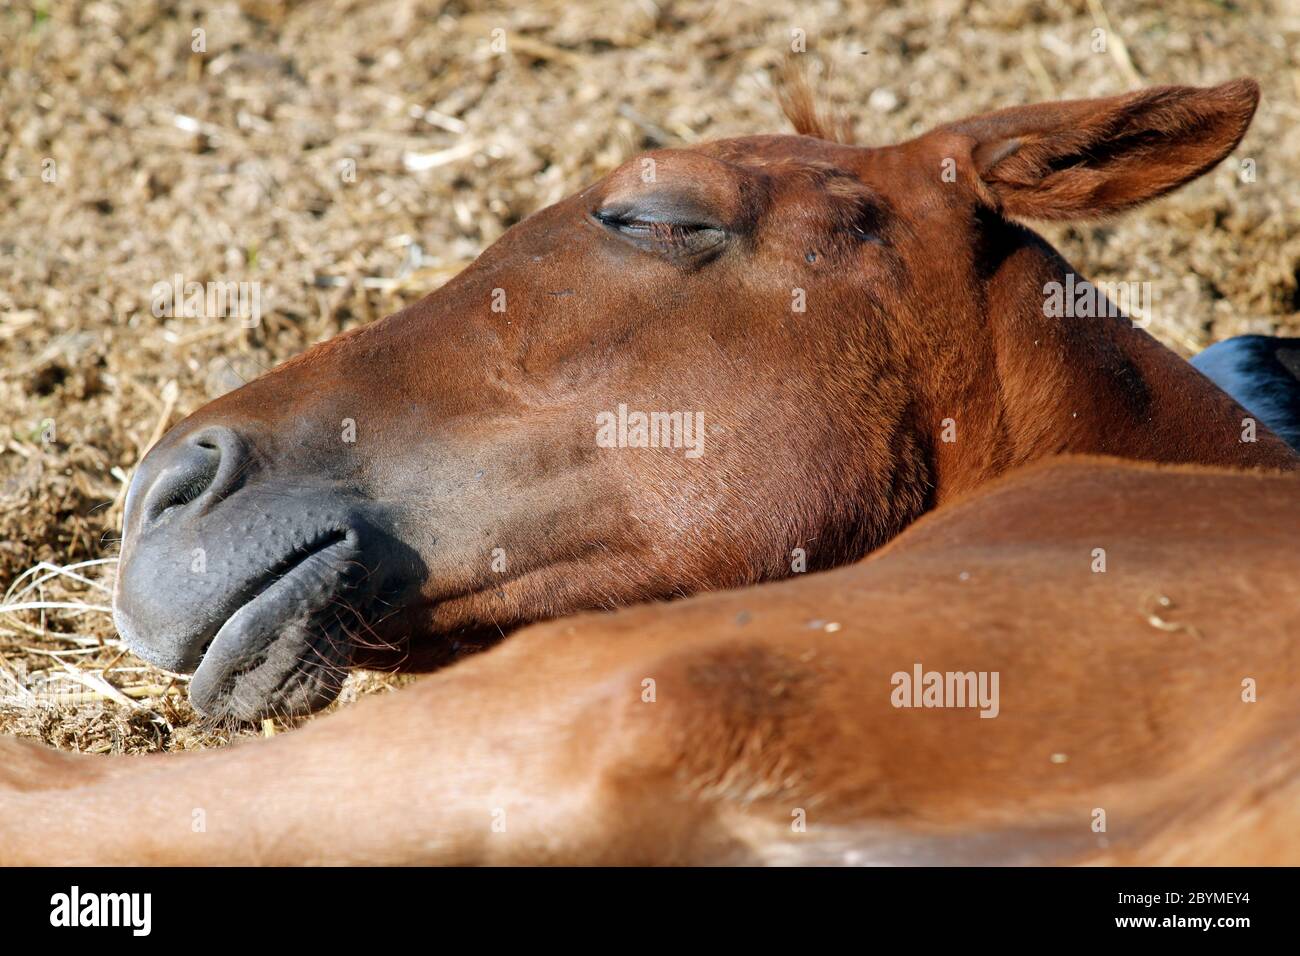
665	236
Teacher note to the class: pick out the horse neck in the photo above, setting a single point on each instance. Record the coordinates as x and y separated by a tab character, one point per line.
1026	384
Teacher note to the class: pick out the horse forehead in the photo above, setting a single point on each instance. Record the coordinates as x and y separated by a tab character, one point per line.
729	172
773	155
775	152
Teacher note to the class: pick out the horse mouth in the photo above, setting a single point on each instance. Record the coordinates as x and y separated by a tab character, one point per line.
284	650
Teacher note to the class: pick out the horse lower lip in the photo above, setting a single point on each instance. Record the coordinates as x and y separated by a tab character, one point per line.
245	633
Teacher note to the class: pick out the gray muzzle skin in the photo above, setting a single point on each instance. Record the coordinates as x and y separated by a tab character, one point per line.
254	582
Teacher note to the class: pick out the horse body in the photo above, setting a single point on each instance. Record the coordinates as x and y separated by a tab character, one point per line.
1121	692
863	336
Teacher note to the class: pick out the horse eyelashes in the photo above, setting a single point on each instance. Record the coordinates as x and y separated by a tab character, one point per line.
666	232
666	236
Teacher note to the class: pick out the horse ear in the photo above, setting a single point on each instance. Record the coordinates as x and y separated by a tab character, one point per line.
1087	158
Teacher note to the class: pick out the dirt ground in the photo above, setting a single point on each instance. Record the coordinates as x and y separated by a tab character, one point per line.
352	156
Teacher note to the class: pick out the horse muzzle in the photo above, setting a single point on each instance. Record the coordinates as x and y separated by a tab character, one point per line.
252	582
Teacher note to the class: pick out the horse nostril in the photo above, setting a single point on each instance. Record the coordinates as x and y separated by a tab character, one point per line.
190	469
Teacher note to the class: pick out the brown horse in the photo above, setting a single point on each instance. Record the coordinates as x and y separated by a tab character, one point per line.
821	342
759	726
